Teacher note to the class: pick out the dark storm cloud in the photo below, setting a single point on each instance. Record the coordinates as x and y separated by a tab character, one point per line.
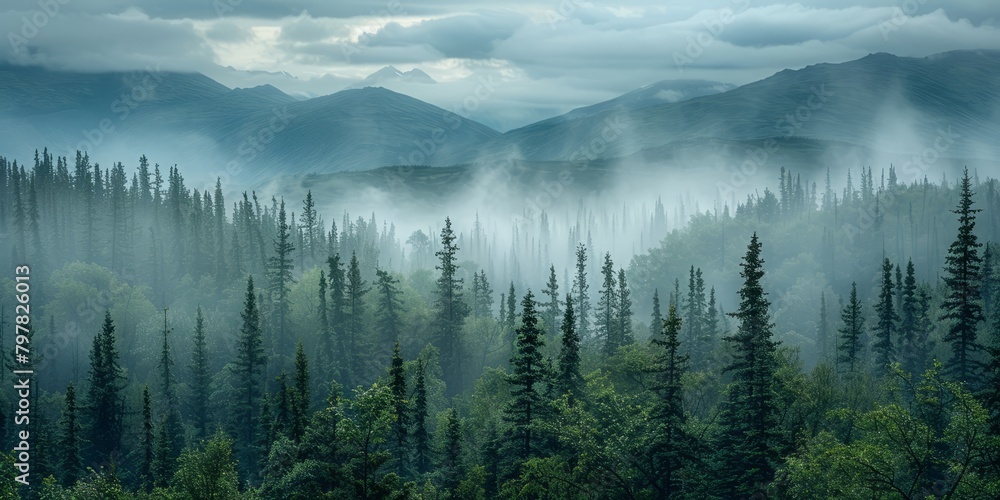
468	36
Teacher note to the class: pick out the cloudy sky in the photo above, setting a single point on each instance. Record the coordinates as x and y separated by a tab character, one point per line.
526	60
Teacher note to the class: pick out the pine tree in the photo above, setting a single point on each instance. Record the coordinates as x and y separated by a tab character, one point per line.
279	269
962	303
694	319
580	288
221	269
852	331
669	442
247	369
301	398
400	426
568	378
607	309
526	379
71	461
748	439
105	402
552	304
450	312
421	439
887	320
200	379
163	463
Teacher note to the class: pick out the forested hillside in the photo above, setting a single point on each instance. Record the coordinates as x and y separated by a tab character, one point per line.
813	341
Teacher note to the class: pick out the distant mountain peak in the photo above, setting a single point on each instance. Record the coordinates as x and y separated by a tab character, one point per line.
389	74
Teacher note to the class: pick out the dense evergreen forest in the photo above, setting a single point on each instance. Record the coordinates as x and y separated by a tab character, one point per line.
825	341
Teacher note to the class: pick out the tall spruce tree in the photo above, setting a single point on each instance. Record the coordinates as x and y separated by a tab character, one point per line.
280	280
568	378
623	316
354	319
247	370
852	332
552	304
748	440
390	306
201	379
451	465
528	375
301	398
400	425
607	309
449	312
70	434
421	438
171	410
580	292
656	321
669	444
148	442
105	410
962	304
885	330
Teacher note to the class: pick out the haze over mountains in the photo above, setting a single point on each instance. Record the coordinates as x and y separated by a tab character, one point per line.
880	106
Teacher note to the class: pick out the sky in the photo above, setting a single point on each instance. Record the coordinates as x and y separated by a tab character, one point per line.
504	66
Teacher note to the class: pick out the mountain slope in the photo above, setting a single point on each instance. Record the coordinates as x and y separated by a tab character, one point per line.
881	101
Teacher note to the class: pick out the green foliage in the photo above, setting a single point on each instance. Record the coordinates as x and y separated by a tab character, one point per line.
207	472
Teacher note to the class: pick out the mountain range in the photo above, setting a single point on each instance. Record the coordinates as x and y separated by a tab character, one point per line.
879	104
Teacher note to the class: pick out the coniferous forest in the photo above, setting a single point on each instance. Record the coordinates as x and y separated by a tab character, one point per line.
813	340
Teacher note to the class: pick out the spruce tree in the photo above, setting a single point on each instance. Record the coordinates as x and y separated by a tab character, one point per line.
451	465
749	419
200	379
105	408
400	425
888	318
656	323
552	304
279	272
390	306
568	378
624	312
421	439
962	304
247	369
301	397
528	375
309	226
171	415
669	443
354	319
823	330
580	292
148	442
71	460
852	332
163	462
338	286
607	309
449	312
